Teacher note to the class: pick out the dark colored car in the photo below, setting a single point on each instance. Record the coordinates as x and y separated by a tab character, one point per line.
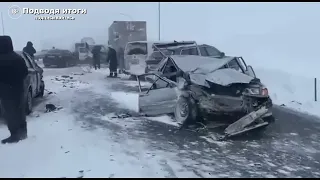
34	83
59	58
180	48
40	55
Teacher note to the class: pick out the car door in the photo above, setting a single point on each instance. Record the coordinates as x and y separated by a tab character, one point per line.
32	75
159	98
39	72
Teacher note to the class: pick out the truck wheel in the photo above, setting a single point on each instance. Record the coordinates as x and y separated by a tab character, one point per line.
186	111
29	102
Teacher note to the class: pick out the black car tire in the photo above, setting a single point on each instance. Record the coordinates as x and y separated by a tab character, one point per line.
186	111
41	91
29	102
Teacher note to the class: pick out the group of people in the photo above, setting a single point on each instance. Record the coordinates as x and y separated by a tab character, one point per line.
111	59
13	71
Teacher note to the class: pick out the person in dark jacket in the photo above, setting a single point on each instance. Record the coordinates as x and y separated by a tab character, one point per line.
121	60
113	62
29	49
13	71
96	56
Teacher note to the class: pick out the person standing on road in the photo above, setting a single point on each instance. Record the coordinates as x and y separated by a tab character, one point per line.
96	56
29	49
13	71
113	62
121	60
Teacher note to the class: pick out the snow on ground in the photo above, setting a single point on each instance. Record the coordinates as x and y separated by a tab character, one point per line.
57	146
127	100
293	91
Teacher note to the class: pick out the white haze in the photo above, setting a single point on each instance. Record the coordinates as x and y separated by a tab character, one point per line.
274	35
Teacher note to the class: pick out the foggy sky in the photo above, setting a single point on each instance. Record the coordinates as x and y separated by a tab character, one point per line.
265	34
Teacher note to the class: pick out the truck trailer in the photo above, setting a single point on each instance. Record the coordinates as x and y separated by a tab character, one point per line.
122	32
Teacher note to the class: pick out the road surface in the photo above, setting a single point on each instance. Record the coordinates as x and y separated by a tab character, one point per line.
289	148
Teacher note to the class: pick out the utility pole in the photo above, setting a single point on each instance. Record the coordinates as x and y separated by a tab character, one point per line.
159	21
2	24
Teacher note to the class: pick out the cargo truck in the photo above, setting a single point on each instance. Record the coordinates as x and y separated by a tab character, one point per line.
122	32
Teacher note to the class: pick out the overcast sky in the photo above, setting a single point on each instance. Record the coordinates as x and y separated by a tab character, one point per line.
265	34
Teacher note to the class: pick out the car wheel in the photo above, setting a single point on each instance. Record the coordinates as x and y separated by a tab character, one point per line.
185	111
41	92
29	102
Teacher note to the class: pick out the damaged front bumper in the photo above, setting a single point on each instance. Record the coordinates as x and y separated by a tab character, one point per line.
248	122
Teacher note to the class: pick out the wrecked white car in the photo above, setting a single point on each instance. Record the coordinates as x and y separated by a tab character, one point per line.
196	88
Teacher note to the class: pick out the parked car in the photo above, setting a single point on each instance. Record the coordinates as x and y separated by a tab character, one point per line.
34	84
59	58
197	88
40	55
180	48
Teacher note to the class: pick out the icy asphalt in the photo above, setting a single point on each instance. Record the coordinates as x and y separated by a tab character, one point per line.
289	148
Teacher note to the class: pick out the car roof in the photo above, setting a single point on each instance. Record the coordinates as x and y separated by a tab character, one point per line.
191	62
148	42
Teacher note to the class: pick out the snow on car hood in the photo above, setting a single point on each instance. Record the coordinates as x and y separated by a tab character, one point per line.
210	70
222	77
226	77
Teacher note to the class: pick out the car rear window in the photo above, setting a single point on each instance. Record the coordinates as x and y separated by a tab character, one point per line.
136	48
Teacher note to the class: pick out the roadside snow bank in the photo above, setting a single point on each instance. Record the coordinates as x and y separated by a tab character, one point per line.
290	90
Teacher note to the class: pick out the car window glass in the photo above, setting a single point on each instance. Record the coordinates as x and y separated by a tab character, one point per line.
185	52
34	64
203	51
242	64
189	51
170	68
234	65
212	51
194	51
26	60
161	64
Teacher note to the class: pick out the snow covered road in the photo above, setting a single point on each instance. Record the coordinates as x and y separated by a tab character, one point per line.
87	139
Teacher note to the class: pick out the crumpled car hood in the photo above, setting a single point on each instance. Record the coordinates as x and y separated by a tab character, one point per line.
222	77
226	77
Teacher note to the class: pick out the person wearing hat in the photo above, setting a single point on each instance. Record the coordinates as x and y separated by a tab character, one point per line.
13	71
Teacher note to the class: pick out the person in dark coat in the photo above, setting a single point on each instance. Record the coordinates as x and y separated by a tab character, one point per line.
96	56
121	60
113	62
13	71
29	49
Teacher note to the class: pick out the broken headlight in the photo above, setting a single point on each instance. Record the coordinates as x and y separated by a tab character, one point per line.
254	91
257	91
